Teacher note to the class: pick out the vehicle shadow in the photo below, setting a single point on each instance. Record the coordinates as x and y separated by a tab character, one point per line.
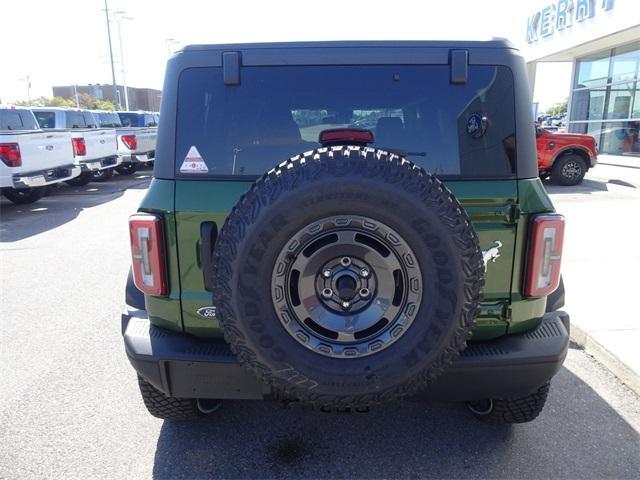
577	436
62	204
587	186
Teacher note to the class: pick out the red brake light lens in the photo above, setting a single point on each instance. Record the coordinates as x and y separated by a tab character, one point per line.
79	147
545	255
10	154
147	253
130	141
337	136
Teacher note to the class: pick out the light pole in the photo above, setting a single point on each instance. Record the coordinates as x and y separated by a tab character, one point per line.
27	80
119	16
113	70
169	42
75	91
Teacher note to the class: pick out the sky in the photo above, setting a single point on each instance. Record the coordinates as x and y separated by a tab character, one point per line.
62	42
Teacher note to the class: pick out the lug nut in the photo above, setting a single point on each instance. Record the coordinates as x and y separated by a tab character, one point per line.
327	293
326	273
346	305
364	273
345	261
364	292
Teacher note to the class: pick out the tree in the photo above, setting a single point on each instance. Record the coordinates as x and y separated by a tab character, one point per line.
93	103
104	105
558	109
84	99
60	102
47	102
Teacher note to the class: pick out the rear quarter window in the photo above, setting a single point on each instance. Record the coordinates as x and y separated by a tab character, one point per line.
465	130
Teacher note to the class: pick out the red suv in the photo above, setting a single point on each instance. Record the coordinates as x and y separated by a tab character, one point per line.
565	157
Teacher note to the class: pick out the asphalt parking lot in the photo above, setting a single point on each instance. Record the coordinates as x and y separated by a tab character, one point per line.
70	408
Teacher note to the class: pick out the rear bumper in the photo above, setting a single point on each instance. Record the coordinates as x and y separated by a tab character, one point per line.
181	365
98	164
138	157
46	177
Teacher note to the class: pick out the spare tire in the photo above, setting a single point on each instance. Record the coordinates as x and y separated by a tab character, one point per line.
347	276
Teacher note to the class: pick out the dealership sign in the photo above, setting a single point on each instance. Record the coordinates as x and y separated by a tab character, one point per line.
561	15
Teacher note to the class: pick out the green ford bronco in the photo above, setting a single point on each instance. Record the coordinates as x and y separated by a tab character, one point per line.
341	224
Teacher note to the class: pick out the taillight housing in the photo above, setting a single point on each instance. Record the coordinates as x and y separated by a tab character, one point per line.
10	154
130	141
545	254
147	253
79	147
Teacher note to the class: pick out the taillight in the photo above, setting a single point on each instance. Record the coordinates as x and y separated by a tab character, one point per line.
147	253
10	154
130	141
545	254
79	147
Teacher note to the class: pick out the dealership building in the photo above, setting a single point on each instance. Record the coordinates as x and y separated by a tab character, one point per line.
601	38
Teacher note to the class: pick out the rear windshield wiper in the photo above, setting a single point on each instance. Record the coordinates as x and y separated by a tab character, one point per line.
404	153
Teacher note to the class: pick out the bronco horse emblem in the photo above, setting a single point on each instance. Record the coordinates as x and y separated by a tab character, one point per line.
491	254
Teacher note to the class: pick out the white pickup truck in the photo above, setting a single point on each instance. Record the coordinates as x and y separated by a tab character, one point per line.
30	158
136	145
94	148
136	140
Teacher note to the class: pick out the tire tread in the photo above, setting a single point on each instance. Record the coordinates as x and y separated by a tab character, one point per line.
519	410
167	408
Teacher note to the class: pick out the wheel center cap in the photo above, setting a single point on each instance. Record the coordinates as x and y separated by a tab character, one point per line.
346	287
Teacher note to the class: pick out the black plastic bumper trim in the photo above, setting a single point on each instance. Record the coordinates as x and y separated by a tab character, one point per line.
181	365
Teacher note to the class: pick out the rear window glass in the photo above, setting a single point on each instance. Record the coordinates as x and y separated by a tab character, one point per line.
130	119
46	119
75	120
109	120
90	120
16	119
150	121
278	112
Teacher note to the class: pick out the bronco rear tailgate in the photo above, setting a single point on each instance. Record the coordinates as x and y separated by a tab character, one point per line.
490	204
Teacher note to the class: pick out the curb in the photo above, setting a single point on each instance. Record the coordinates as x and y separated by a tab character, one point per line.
603	356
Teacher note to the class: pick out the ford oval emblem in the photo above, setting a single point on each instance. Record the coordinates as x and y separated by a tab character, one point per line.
49	147
207	312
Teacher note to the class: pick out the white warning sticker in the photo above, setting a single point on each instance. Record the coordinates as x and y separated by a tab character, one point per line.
193	162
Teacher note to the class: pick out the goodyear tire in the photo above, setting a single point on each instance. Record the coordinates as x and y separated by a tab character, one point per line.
568	170
347	277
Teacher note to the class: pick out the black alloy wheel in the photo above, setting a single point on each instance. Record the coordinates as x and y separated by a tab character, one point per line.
351	283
